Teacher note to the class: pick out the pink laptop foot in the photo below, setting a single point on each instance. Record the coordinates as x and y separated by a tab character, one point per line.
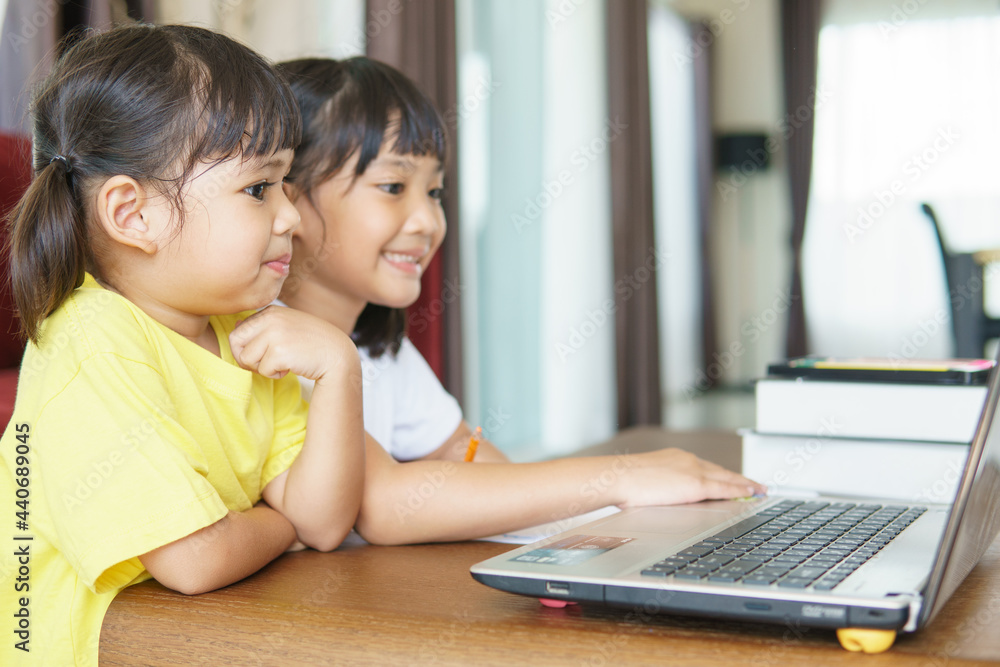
555	604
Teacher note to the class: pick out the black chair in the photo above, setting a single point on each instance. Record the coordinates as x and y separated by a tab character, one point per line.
964	277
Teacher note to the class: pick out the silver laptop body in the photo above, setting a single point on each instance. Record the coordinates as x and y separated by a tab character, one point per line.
908	568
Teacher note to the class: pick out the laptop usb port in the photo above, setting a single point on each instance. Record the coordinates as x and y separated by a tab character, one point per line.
557	587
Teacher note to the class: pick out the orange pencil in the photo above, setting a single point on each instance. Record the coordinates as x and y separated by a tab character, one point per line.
470	453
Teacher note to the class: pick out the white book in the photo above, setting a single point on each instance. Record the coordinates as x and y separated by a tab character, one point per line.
925	472
876	410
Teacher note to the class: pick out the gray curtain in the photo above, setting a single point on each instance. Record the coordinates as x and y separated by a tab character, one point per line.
636	326
705	151
800	24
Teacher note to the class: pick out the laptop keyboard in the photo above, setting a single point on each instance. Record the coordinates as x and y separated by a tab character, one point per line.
793	544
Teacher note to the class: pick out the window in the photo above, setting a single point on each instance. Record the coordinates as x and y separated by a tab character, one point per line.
907	113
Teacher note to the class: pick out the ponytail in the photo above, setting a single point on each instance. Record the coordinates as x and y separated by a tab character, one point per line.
48	246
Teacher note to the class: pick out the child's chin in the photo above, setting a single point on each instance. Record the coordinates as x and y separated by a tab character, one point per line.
397	303
399	298
259	303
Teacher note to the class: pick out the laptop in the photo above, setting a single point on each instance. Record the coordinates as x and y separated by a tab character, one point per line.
831	562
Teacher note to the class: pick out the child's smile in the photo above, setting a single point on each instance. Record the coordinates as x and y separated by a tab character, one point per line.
409	262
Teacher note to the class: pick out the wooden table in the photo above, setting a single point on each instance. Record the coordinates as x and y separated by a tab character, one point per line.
419	605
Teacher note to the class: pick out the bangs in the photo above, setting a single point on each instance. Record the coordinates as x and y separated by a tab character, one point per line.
262	119
350	107
244	109
396	111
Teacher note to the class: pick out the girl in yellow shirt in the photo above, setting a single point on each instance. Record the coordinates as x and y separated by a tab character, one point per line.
155	410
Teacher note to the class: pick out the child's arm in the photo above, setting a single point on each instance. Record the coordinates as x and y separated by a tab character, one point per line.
430	501
230	549
321	492
455	447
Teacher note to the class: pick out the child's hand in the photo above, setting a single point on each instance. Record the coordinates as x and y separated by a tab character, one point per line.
673	476
280	340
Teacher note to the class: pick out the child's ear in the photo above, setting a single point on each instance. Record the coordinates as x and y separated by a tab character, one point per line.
125	212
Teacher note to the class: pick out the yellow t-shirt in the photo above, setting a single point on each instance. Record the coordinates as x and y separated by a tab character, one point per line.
132	437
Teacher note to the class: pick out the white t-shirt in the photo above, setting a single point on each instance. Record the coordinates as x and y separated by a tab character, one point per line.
406	408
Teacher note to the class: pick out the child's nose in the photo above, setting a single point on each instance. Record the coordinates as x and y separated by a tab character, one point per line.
287	218
426	218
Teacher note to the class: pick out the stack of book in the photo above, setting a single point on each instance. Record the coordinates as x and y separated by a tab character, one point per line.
865	427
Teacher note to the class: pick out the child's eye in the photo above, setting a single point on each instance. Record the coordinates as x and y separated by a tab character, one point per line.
257	190
392	188
437	193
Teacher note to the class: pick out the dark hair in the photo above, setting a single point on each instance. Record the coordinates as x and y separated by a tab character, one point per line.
148	102
347	106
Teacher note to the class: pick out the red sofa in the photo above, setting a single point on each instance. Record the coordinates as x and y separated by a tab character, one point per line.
15	175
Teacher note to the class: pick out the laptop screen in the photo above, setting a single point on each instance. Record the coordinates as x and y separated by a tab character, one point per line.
975	516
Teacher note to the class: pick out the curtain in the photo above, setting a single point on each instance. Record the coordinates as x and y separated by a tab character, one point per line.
704	150
419	39
636	328
800	24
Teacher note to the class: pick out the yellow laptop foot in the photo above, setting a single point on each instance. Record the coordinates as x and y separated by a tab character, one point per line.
866	639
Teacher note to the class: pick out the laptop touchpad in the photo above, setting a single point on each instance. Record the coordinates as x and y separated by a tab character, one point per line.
679	520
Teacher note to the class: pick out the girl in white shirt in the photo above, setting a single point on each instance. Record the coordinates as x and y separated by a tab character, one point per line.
367	180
